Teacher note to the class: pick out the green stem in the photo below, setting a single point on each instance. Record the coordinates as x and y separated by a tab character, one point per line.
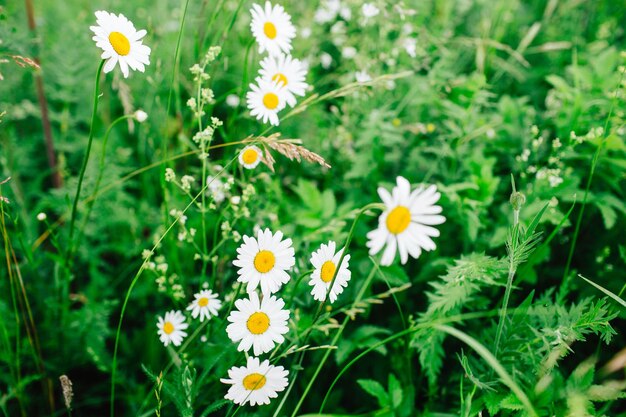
320	309
594	162
512	268
164	141
99	179
333	343
85	161
509	282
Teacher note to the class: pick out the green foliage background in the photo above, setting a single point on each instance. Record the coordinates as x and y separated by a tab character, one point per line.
528	88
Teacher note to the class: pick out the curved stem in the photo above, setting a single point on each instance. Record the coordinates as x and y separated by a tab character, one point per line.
320	309
100	172
85	161
592	170
332	343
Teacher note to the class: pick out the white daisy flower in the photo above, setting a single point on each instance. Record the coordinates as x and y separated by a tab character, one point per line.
265	261
325	262
288	72
406	223
266	99
120	42
171	328
256	382
258	325
205	304
272	28
250	156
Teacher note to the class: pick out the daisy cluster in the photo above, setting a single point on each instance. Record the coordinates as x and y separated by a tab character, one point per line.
260	321
281	77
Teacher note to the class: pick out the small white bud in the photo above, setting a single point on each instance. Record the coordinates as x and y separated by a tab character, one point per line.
141	116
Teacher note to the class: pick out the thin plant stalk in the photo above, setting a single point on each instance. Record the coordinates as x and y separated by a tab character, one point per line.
85	161
100	173
164	141
592	170
511	274
356	300
57	179
321	363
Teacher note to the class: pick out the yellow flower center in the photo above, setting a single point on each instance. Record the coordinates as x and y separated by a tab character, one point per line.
264	261
280	78
398	220
258	322
270	101
269	29
254	381
249	156
328	270
120	43
168	327
203	302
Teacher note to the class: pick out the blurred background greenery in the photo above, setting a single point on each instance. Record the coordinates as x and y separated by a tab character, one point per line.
529	88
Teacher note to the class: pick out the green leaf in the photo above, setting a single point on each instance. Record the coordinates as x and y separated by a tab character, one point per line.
375	389
491	360
395	391
607	292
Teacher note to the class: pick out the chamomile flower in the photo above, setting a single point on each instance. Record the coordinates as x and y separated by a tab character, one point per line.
266	99
325	262
204	305
272	28
250	156
288	72
265	261
171	328
120	42
406	224
258	324
256	382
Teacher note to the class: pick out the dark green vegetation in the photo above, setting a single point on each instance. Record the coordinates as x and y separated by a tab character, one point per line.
532	89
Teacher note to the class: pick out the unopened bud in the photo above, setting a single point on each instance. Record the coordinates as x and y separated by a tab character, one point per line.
141	116
517	200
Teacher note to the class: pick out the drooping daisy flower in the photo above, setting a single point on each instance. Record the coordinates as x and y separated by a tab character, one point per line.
171	328
259	325
205	304
250	156
265	261
272	28
288	72
266	99
325	262
120	42
406	223
256	382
